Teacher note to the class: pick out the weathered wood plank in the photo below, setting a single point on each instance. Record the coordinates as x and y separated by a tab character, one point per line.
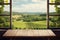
43	33
51	33
19	33
35	33
10	33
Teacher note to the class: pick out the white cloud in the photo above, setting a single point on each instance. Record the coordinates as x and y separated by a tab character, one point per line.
6	8
36	0
40	6
31	8
39	1
52	8
16	1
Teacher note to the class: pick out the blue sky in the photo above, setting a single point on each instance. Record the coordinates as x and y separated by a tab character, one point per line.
30	6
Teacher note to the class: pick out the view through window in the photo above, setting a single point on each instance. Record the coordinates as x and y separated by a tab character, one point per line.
29	14
4	14
54	14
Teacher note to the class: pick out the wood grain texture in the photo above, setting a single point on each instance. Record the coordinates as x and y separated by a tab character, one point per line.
38	33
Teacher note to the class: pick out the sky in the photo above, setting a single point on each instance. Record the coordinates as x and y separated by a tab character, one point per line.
29	6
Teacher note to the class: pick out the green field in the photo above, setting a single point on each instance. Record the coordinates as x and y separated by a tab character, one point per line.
29	25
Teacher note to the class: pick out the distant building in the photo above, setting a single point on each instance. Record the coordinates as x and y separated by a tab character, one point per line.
16	16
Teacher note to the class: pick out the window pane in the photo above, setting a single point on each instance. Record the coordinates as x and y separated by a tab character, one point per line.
54	1
1	1
51	1
29	14
54	21
4	21
54	9
4	1
58	6
5	9
57	1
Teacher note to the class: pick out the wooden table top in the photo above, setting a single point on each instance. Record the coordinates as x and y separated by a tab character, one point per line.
29	33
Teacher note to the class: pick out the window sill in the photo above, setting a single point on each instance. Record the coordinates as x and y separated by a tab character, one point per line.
55	29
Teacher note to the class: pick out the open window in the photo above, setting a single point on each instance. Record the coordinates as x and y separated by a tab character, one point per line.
30	14
54	14
5	14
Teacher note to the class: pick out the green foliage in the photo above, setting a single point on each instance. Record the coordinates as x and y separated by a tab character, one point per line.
56	19
1	1
55	22
52	25
31	18
29	25
29	22
57	1
1	8
4	22
52	1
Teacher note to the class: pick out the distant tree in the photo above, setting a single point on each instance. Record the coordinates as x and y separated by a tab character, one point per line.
56	20
3	20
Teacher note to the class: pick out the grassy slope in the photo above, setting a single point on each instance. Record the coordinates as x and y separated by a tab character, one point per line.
37	24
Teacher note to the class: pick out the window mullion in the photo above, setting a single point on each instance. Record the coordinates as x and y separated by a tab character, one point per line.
6	14
47	13
10	14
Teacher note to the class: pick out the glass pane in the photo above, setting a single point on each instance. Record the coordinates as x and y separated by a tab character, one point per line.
5	9
52	1
4	21
4	1
1	1
58	6
54	21
57	1
54	9
29	14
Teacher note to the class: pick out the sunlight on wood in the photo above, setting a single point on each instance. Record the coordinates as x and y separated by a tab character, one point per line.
37	33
